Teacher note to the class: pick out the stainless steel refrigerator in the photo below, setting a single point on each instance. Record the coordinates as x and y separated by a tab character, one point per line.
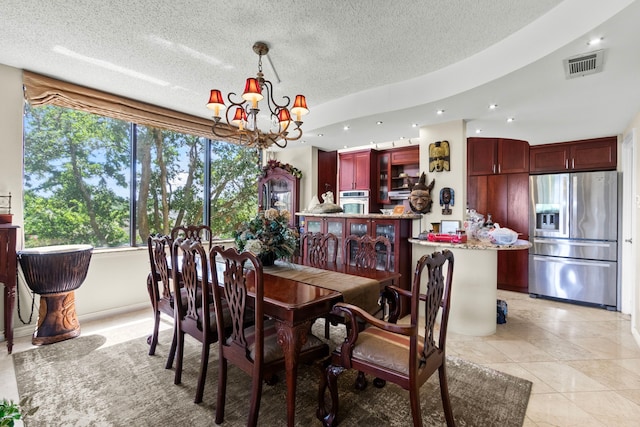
574	233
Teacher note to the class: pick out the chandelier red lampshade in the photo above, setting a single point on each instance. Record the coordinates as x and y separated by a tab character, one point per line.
243	127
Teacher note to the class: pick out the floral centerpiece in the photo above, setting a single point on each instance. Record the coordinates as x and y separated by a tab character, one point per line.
268	236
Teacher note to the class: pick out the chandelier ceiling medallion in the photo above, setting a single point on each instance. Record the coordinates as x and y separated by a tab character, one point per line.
243	127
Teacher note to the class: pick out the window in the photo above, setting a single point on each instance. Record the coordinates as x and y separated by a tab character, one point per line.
78	180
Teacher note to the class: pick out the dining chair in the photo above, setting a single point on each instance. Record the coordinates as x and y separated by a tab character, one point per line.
401	353
368	253
159	285
254	347
318	248
199	232
197	317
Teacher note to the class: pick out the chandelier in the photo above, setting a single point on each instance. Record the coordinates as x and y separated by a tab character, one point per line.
243	126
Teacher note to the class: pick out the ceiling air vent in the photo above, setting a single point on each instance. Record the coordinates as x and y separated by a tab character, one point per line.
582	65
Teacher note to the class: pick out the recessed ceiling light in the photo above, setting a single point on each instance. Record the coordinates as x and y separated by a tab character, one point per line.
378	122
478	130
440	112
346	127
510	119
493	106
402	137
345	146
321	134
415	125
594	42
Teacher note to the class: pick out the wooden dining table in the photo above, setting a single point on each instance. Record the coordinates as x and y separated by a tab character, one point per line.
296	295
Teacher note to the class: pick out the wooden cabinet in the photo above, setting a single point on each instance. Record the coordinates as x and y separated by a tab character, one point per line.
8	277
506	198
280	190
491	156
332	225
327	172
356	170
584	155
397	169
397	231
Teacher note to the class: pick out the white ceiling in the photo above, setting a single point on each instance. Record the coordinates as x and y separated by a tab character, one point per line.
358	62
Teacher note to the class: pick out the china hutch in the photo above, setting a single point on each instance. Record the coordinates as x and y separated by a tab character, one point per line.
280	189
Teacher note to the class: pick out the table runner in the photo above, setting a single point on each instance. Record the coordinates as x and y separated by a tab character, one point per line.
356	290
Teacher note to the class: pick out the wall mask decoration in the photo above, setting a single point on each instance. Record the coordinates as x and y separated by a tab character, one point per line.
439	156
420	198
447	199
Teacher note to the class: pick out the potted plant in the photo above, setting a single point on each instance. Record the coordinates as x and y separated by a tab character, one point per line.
11	411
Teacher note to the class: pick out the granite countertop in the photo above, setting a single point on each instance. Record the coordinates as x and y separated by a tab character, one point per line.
369	216
475	244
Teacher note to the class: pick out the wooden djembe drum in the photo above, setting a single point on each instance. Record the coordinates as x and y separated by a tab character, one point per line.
55	272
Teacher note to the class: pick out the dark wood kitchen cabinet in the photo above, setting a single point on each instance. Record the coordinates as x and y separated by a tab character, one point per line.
327	173
324	224
506	198
574	156
491	156
357	169
397	230
398	169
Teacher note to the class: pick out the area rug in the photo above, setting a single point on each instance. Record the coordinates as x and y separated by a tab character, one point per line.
80	382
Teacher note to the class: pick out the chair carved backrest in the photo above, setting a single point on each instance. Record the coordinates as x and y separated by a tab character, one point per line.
159	246
197	232
437	295
194	274
319	248
368	253
241	274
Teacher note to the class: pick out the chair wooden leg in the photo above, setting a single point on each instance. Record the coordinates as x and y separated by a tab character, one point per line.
327	324
361	381
329	378
254	404
222	389
416	413
444	392
204	363
153	339
172	350
179	357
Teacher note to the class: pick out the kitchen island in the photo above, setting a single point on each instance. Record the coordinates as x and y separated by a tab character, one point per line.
474	288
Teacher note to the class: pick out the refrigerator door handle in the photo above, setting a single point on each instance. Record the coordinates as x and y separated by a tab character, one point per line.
572	243
571	261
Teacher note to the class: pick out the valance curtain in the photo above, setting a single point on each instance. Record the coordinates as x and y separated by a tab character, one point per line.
42	90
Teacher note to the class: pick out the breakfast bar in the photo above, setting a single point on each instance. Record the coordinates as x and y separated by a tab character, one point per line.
474	287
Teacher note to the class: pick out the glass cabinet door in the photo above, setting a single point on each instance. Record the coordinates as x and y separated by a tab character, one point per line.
387	230
280	190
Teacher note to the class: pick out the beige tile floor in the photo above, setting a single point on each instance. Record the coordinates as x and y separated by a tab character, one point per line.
583	362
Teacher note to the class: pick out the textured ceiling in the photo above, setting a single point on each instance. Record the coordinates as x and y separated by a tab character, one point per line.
358	62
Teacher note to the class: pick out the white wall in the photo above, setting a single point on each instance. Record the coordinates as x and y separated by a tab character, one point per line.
304	158
456	178
634	293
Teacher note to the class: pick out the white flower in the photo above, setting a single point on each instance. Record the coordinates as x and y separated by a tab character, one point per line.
254	246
